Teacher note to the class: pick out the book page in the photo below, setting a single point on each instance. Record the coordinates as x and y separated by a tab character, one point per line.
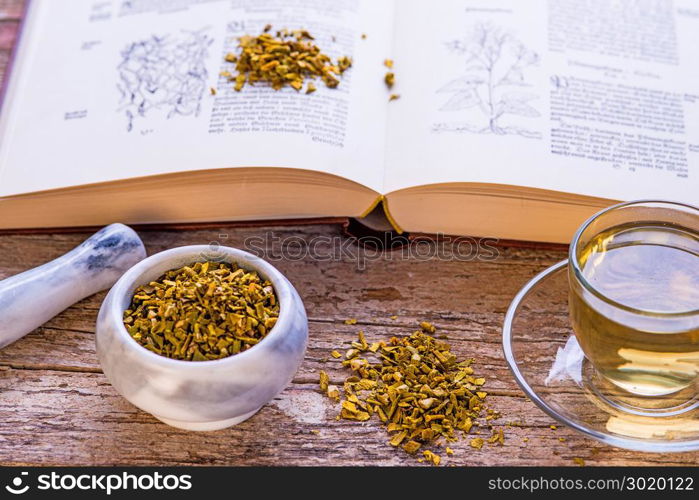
593	97
109	90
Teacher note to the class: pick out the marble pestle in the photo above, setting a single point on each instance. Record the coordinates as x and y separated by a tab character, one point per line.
30	299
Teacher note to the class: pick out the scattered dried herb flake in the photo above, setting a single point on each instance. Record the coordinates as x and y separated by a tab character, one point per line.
389	79
432	457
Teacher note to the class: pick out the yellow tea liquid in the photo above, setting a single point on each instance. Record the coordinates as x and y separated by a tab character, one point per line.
652	271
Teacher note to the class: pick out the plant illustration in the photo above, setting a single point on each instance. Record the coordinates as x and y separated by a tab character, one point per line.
495	65
163	75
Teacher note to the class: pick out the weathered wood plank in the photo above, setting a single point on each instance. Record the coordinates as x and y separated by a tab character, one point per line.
11	10
8	33
77	418
4	58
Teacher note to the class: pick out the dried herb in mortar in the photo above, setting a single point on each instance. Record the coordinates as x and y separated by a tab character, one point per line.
205	311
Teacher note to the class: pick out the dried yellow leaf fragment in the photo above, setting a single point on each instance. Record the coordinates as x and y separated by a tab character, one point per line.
333	392
324	380
428	327
398	438
426	403
432	457
411	447
498	437
389	79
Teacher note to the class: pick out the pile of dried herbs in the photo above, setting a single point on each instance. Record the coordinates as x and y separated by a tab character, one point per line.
417	388
205	311
286	58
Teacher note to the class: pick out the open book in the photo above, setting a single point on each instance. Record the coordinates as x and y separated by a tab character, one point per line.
516	119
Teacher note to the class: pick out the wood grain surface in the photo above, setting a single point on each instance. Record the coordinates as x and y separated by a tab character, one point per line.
56	406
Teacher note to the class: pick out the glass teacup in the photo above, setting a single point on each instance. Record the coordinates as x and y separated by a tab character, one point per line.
634	296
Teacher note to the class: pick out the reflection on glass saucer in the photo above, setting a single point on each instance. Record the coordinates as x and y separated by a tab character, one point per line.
550	367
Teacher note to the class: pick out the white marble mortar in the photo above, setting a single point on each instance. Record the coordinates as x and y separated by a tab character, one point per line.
201	395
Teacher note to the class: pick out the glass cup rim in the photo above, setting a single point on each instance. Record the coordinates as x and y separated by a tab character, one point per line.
574	265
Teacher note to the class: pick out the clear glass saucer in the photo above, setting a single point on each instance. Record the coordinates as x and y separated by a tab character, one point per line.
549	366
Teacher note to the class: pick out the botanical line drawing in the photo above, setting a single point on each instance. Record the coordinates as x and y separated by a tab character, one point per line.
163	74
496	63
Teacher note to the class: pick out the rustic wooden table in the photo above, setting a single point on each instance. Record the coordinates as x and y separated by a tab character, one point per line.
56	406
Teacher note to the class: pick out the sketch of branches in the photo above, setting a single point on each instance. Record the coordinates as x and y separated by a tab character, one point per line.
166	74
495	64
